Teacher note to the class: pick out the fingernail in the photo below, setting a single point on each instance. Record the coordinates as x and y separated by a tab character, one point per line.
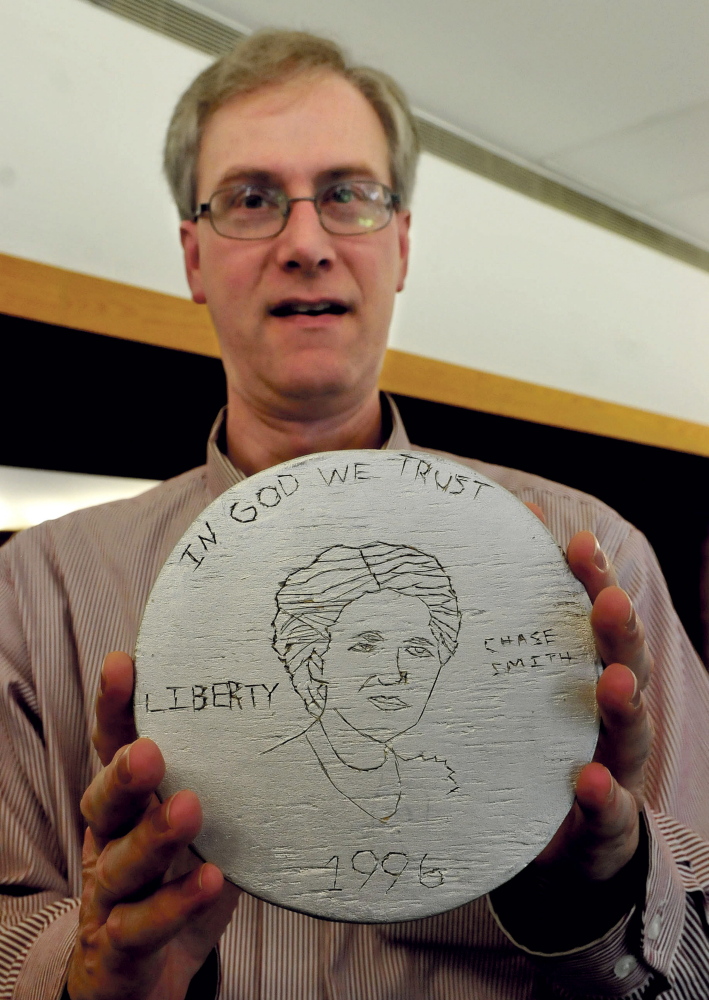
632	622
637	693
102	682
599	557
123	771
161	818
199	880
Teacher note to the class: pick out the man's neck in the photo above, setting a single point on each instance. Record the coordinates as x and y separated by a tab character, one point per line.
257	440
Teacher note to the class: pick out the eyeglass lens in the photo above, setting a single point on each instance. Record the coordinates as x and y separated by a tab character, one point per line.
249	211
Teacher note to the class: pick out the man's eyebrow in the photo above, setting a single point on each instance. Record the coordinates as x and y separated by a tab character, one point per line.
243	175
419	640
345	172
370	636
266	178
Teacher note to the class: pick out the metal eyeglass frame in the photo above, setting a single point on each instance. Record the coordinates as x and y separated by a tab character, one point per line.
286	203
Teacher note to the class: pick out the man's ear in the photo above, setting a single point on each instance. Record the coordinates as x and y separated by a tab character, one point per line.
403	220
190	250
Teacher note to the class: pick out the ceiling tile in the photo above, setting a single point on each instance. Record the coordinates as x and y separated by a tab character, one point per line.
529	78
658	160
608	97
688	216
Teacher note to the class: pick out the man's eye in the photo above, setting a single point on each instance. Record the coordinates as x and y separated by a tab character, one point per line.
421	651
361	647
343	194
253	201
255	198
249	200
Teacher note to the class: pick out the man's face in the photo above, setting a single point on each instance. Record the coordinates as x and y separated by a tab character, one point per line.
297	136
381	664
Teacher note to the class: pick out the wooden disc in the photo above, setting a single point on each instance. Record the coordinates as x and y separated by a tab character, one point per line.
377	672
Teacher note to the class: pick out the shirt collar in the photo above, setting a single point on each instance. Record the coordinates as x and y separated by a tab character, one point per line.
221	473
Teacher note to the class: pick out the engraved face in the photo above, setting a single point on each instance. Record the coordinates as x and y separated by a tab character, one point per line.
381	664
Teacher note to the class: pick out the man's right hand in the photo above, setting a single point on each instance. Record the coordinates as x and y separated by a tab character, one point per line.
151	912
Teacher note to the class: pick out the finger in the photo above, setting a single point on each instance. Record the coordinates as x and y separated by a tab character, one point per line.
115	725
626	735
536	510
605	828
135	863
121	792
145	926
589	563
619	634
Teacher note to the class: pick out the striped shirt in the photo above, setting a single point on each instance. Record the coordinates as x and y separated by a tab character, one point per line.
73	589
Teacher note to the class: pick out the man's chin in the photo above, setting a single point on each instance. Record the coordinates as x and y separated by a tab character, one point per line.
321	387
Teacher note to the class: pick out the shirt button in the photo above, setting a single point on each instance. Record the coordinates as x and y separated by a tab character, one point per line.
624	966
652	931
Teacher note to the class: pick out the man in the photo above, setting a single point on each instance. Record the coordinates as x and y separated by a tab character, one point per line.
283	137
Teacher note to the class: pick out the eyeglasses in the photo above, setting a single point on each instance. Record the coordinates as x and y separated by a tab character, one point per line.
253	212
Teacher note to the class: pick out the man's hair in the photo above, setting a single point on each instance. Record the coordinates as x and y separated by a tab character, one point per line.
275	56
312	599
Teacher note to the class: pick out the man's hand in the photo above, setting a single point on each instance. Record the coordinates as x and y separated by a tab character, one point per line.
600	834
150	911
591	872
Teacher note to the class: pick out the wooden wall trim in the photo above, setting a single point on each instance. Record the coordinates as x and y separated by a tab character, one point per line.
78	301
81	302
443	382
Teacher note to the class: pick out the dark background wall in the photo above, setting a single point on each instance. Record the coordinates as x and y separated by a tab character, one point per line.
79	402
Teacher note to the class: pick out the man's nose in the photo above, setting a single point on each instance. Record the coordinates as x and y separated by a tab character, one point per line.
304	245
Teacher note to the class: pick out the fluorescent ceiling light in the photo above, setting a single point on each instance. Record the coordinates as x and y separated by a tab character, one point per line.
29	496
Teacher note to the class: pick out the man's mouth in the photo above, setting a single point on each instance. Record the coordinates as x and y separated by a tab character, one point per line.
388	702
300	307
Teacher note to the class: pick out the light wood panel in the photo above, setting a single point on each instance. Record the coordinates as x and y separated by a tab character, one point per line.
249	572
81	302
78	301
442	382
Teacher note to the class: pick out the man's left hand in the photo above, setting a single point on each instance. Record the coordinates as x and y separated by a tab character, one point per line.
591	872
600	834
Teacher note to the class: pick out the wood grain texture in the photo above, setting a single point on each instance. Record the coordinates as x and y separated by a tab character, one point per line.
65	298
442	382
377	672
81	302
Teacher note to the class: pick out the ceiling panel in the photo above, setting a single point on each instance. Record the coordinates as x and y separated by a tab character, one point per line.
688	215
537	80
674	148
532	77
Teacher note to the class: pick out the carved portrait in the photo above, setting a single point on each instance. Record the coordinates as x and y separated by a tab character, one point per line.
364	633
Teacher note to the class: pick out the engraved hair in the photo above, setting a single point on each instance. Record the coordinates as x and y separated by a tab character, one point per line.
274	56
311	600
